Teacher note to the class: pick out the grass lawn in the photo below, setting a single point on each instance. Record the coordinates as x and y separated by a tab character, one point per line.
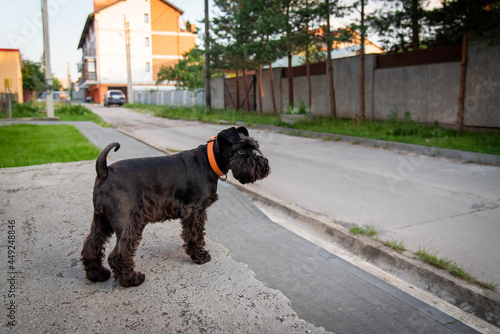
26	145
65	112
397	129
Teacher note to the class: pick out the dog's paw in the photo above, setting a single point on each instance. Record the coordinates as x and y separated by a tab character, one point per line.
201	257
99	276
133	279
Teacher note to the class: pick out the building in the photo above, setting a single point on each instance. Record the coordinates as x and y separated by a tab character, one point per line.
11	65
156	40
340	49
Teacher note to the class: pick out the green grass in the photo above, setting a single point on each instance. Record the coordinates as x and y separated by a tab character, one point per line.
65	112
197	113
395	245
452	268
432	259
368	231
26	145
395	128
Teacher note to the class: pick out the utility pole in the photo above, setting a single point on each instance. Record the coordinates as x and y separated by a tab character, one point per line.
208	93
130	92
69	83
48	74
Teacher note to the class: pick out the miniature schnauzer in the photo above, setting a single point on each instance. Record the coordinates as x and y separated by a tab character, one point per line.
132	193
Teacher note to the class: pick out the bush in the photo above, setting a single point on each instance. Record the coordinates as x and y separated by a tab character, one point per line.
302	109
404	126
72	109
28	109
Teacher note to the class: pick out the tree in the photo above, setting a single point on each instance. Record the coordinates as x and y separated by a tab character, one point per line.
233	34
401	23
289	46
33	77
330	8
268	44
56	84
305	38
458	17
188	73
361	28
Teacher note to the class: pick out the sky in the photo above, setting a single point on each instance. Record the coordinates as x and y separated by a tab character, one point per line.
21	28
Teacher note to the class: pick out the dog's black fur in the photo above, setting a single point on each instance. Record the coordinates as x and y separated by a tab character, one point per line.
132	193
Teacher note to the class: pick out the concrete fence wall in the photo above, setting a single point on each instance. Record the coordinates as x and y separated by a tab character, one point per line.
429	92
173	97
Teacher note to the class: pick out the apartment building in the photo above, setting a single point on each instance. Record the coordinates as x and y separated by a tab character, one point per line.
156	40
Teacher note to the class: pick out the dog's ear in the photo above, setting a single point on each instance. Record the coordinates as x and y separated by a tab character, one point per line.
230	135
243	130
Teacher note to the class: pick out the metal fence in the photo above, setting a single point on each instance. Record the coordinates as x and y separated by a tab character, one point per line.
173	97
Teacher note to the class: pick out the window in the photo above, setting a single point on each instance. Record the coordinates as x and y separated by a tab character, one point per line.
146	41
146	18
91	65
148	67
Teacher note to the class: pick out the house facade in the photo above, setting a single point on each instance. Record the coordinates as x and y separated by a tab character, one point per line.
340	49
11	80
155	36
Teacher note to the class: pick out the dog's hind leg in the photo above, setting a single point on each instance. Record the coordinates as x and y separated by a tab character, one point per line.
193	233
121	259
93	249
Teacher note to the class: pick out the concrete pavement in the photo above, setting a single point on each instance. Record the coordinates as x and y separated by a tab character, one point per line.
447	207
46	213
362	309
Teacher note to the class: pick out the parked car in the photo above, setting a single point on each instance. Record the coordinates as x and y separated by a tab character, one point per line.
56	97
114	97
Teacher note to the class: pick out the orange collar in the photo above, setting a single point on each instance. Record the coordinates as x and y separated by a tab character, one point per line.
211	157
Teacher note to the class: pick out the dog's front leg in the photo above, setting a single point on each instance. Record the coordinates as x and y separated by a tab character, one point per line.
193	233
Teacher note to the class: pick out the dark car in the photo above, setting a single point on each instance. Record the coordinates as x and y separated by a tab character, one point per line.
114	97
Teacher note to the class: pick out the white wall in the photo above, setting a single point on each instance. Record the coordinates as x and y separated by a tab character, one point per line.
111	40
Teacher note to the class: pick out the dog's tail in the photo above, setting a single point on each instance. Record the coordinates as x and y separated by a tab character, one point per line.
101	166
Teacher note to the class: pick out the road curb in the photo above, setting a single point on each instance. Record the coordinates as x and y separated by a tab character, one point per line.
466	157
482	303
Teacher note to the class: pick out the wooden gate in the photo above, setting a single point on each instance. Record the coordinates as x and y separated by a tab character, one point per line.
230	93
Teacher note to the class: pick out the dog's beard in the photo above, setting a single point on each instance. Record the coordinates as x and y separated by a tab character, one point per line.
249	168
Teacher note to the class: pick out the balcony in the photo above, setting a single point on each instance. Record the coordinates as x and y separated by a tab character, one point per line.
87	68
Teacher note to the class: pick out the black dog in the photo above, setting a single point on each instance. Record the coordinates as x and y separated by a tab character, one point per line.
132	193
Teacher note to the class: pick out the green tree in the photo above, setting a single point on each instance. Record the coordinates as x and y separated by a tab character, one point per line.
401	23
456	18
361	27
56	84
33	77
234	31
306	39
188	73
327	9
268	44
